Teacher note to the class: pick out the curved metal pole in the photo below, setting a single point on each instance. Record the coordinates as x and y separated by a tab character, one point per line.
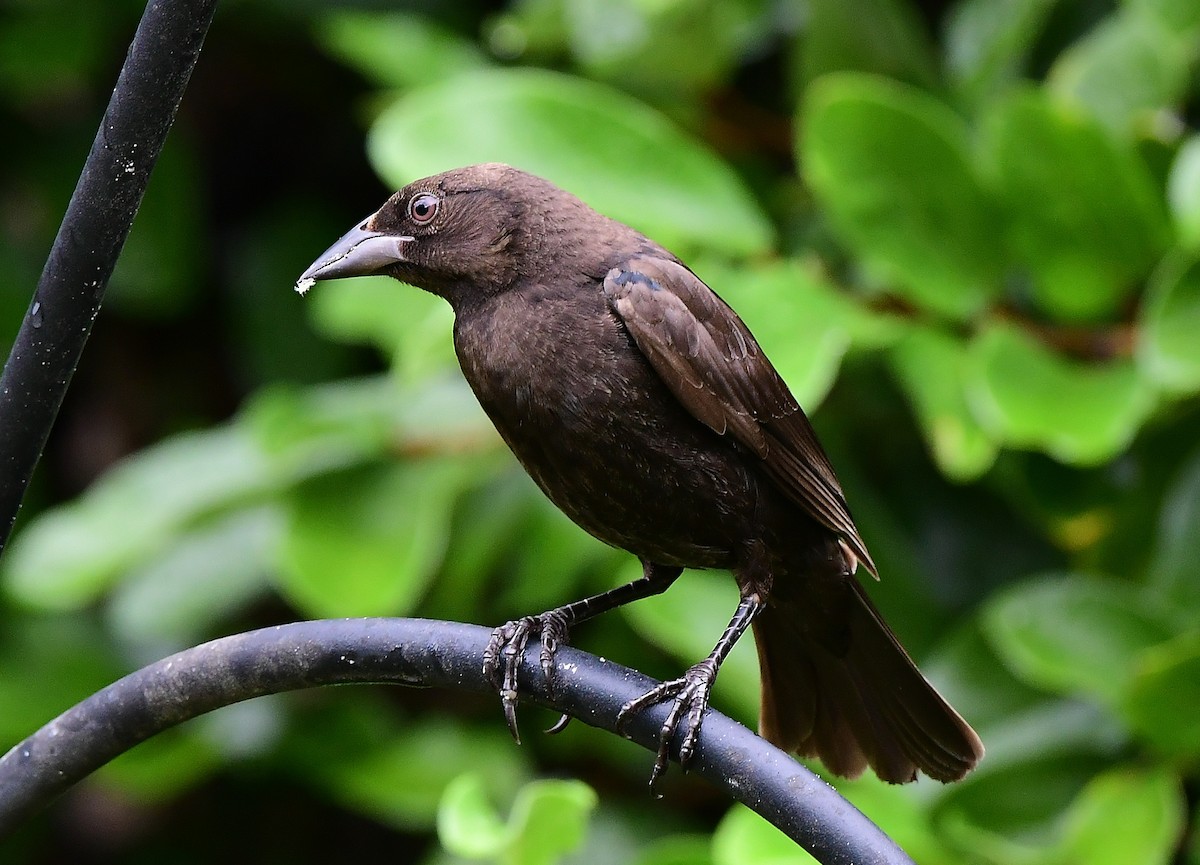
93	231
419	652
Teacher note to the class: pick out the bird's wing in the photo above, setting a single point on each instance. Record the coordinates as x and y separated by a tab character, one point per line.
712	363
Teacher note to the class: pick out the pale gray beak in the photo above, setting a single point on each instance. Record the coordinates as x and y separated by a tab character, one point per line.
358	252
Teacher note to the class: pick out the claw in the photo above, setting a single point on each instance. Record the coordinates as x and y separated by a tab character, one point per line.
559	725
687	748
503	654
665	735
690	693
508	699
495	650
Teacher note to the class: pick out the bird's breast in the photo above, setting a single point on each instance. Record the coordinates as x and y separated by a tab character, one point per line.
597	430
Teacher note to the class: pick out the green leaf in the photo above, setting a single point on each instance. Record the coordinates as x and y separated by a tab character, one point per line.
1012	815
988	43
397	49
365	542
676	850
1084	214
356	752
619	155
326	427
967	671
1012	847
69	555
410	326
209	574
468	823
929	365
552	557
1081	733
1175	566
1075	634
904	817
1180	16
802	323
49	664
345	423
884	37
246	730
745	838
1031	397
548	819
1169	347
780	298
893	168
161	767
494	523
1162	703
1183	192
1124	70
648	45
1040	753
178	759
529	29
1126	816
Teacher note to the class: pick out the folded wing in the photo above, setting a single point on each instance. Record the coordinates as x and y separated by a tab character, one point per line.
711	362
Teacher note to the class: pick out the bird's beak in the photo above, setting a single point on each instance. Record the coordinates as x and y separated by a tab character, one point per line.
358	252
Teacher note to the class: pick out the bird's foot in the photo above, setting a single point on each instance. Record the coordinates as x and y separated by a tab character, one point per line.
690	693
505	650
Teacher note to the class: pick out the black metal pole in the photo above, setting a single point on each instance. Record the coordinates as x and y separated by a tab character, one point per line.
421	653
93	231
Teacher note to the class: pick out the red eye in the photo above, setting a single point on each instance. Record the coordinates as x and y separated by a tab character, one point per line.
423	208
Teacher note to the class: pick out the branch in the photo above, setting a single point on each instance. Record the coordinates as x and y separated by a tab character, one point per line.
93	231
418	652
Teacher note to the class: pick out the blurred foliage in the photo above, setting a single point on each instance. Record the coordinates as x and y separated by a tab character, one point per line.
967	232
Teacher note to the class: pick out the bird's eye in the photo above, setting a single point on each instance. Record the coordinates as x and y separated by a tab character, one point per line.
423	208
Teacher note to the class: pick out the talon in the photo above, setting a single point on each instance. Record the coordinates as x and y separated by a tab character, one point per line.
559	725
508	699
652	697
687	749
505	651
496	649
623	716
690	694
501	658
660	768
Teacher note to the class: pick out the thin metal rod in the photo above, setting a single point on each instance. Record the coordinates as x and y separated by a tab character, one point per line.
67	300
420	653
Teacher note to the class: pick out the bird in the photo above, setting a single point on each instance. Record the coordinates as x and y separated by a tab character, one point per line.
645	410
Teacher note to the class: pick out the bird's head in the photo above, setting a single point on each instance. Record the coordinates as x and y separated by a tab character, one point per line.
462	234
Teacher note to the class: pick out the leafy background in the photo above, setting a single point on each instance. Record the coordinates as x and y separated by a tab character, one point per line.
968	233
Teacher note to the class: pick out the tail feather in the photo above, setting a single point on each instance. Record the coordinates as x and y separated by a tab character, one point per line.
855	699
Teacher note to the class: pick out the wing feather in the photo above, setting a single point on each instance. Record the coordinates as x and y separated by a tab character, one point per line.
716	369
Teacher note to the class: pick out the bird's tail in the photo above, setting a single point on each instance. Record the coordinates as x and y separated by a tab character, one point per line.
844	690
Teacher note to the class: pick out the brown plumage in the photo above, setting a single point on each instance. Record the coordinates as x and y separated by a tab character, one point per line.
644	408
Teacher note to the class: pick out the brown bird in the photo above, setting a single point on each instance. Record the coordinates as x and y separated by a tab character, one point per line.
644	408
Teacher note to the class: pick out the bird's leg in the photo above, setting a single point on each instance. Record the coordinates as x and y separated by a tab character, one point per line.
691	691
504	651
